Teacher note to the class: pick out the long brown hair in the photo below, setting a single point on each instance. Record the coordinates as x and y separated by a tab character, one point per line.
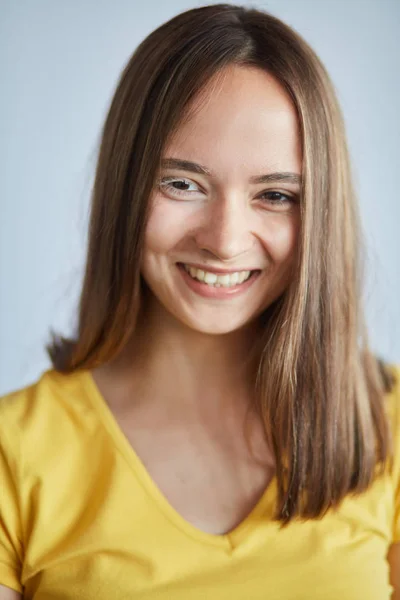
319	388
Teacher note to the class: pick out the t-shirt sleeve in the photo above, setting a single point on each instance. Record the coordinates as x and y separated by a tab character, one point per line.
11	543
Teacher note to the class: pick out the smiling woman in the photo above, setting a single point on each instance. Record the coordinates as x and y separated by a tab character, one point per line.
218	425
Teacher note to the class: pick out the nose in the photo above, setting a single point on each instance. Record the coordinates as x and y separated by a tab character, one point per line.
225	230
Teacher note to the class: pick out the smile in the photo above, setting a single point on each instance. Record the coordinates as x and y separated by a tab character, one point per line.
216	280
218	287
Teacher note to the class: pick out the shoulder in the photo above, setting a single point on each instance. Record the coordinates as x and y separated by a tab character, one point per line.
43	414
52	390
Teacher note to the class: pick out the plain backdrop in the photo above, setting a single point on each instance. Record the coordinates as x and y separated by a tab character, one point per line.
60	61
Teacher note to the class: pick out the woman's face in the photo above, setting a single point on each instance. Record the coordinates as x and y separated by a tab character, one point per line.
219	217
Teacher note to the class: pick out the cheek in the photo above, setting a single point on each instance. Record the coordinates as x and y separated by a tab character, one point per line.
281	237
162	231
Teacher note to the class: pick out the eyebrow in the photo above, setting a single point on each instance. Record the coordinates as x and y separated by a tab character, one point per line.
186	165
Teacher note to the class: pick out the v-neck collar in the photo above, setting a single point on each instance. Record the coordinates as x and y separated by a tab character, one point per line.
230	540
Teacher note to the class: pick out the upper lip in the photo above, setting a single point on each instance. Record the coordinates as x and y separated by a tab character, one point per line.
211	269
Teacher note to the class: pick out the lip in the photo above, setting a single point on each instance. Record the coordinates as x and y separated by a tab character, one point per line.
218	293
217	270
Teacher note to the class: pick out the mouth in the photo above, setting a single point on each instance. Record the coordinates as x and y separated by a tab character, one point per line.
217	285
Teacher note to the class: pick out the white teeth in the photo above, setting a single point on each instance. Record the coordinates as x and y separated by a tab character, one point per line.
208	277
200	275
234	278
226	280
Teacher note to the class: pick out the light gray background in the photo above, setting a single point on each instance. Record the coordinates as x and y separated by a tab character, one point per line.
60	61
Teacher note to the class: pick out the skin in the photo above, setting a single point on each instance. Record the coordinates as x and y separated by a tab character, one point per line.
394	565
8	594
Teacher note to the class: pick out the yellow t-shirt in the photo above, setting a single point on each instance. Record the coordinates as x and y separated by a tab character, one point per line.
81	518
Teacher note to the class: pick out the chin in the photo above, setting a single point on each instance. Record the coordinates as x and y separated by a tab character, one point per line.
216	326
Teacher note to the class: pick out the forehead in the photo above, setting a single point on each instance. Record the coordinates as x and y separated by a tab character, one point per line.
242	116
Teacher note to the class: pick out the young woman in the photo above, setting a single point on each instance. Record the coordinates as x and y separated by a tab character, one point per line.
218	426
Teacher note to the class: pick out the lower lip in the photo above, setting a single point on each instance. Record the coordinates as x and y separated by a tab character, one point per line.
208	291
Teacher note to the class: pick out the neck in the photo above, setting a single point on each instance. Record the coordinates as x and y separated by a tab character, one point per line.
198	373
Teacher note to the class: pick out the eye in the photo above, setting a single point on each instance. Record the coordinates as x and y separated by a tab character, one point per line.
277	198
169	183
